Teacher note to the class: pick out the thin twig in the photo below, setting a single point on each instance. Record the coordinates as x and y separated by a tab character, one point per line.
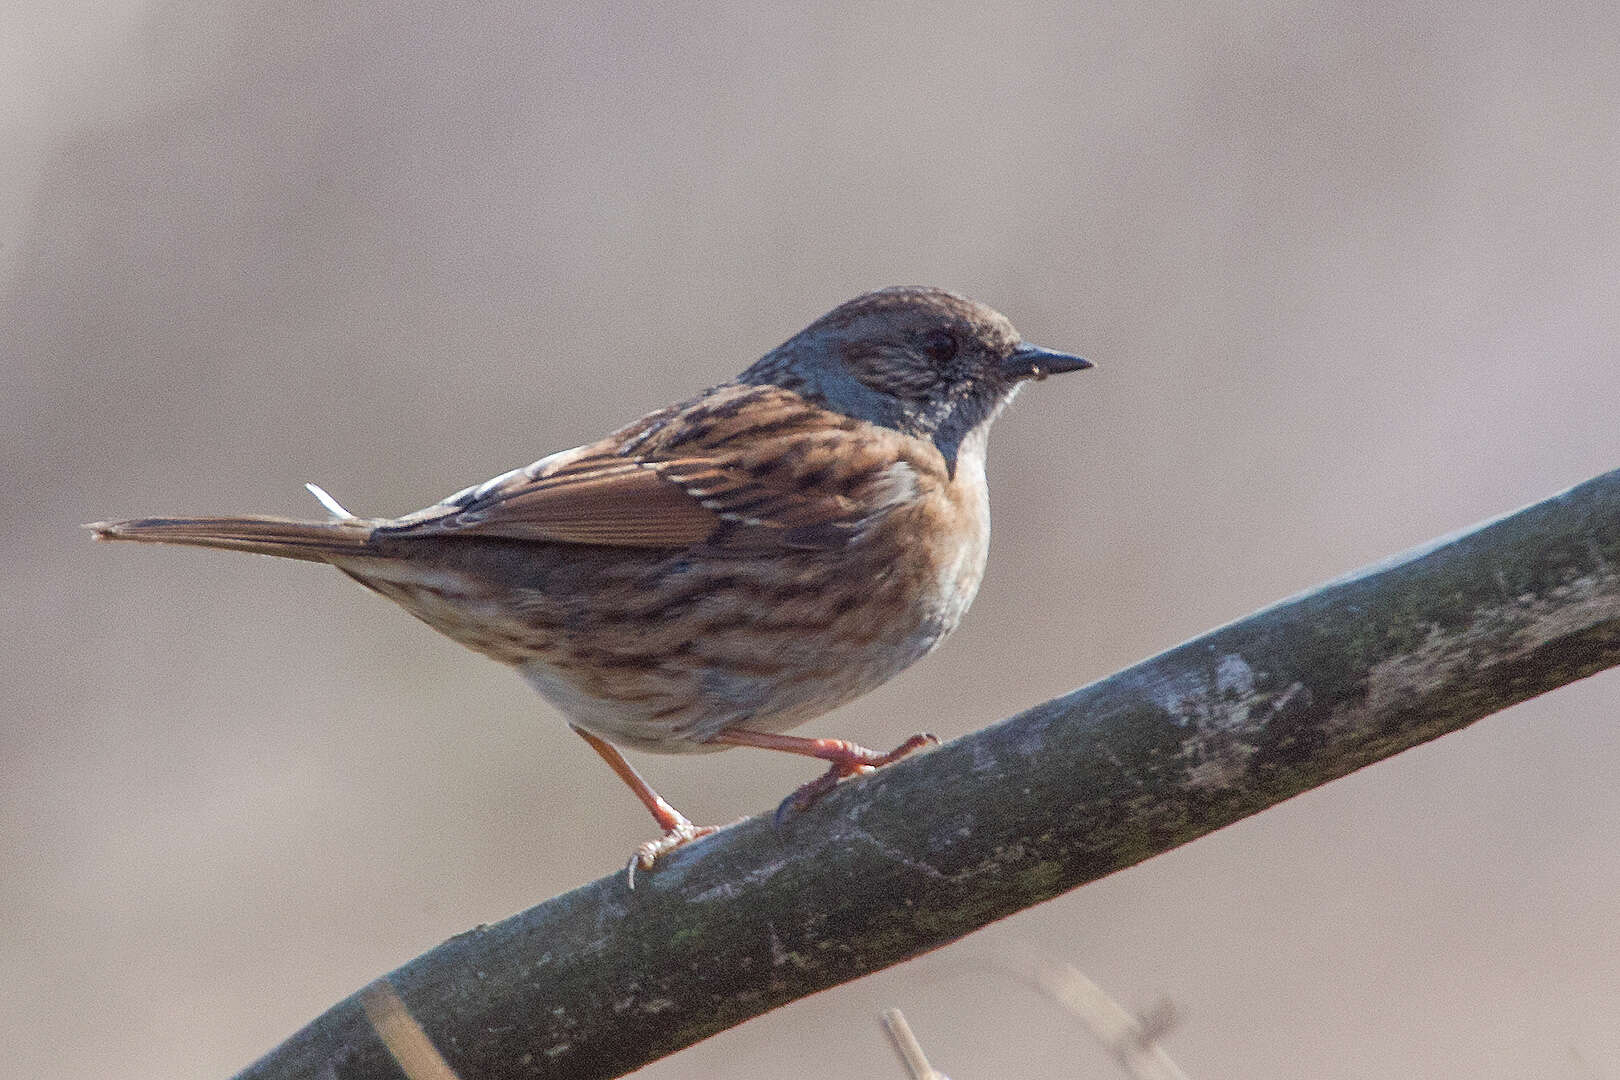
415	1053
909	1049
1133	1041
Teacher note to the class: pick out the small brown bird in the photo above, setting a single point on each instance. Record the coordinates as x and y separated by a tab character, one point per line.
725	568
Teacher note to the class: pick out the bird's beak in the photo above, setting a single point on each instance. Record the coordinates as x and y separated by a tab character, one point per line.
1028	361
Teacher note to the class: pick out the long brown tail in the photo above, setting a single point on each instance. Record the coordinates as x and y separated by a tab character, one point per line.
313	541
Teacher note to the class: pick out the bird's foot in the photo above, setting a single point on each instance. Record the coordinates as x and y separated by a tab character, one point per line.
678	835
849	760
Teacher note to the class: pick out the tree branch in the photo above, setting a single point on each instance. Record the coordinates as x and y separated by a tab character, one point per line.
602	980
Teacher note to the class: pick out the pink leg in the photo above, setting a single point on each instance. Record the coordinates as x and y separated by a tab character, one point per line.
677	829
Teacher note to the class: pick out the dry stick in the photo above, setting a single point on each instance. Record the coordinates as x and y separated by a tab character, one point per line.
909	1049
407	1043
1133	1041
600	981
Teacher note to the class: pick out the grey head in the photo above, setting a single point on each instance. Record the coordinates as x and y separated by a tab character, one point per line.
921	360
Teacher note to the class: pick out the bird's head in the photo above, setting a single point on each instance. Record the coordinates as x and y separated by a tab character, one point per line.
921	360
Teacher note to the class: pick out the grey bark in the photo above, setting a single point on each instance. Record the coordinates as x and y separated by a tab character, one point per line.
602	980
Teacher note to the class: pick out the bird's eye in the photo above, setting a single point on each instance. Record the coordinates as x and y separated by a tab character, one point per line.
939	345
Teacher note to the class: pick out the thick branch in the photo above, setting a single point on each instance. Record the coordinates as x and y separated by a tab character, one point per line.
602	980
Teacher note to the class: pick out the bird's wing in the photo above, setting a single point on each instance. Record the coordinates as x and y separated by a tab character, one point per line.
757	474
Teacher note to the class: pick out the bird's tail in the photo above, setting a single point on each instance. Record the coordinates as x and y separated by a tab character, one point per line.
312	541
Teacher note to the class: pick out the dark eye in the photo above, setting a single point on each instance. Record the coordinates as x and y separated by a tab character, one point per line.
939	345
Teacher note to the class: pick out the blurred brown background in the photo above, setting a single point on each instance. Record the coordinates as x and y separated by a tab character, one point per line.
1352	279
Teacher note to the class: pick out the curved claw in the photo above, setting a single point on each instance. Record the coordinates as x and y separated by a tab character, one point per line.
910	746
647	854
781	814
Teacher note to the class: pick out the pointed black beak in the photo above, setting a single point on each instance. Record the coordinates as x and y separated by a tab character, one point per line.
1028	361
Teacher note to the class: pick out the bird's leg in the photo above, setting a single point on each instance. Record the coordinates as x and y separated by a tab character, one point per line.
677	829
847	758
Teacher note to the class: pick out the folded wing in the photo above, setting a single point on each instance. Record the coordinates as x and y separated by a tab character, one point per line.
731	488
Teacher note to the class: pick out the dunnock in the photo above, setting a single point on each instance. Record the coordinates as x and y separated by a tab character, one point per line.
725	568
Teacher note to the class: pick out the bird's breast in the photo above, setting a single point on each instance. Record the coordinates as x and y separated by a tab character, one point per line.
940	543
